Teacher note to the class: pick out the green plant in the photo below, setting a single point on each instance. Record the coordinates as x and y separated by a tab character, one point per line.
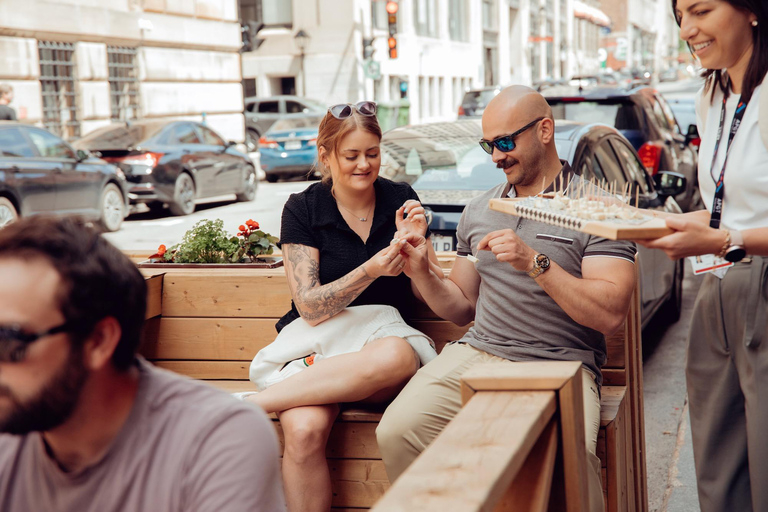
252	242
206	242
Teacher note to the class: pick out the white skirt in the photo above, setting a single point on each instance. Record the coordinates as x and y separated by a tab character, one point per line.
348	331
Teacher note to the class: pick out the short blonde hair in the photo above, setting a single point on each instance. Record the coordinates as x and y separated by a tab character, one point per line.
5	89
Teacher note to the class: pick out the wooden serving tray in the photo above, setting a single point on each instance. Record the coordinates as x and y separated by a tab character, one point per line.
614	229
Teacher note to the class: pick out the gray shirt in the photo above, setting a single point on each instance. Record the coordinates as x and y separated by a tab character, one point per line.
184	447
7	113
515	318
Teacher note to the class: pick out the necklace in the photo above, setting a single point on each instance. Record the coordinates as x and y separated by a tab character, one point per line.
361	219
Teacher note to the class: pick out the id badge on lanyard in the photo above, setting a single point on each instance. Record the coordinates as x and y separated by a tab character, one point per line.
710	262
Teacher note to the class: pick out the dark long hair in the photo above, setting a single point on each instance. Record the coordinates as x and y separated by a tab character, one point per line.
758	63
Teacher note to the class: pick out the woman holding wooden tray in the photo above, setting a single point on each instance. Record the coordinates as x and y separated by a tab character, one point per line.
343	339
727	368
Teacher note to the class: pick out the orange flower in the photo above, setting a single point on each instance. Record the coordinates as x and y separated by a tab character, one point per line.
241	227
251	223
161	250
255	225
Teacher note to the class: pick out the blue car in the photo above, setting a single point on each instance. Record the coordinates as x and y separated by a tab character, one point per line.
289	148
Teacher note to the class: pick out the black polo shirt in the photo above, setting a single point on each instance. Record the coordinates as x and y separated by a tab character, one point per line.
312	218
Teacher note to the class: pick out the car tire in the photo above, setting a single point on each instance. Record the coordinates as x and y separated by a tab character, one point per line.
249	185
111	208
272	178
251	140
8	212
183	195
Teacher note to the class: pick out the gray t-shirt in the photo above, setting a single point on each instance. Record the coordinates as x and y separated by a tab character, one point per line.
185	447
7	113
515	318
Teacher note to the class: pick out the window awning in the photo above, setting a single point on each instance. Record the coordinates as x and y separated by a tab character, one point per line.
593	14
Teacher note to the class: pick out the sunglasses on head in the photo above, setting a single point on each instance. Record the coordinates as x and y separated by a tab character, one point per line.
14	340
344	110
505	143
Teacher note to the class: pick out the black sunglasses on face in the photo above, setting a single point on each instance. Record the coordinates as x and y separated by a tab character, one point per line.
344	110
14	340
505	143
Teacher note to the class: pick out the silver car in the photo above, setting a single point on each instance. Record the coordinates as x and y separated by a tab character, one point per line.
261	114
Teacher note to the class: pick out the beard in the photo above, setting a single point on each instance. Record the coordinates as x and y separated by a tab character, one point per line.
53	405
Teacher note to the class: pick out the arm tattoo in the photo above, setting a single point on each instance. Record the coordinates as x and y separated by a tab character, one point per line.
313	300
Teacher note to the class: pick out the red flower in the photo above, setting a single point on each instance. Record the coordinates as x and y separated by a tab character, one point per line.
161	250
242	228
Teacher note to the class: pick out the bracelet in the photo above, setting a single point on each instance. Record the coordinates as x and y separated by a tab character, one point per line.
726	245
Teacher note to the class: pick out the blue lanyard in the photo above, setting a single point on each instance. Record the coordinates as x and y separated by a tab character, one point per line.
717	202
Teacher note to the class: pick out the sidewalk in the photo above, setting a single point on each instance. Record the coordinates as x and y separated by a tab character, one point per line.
669	453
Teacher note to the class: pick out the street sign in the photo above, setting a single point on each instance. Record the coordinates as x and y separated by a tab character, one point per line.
372	69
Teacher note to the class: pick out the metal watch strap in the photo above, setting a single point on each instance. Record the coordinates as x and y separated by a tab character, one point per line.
538	269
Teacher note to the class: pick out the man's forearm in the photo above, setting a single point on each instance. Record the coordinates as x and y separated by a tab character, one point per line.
444	297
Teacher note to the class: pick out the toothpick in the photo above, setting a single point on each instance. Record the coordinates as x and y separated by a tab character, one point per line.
637	196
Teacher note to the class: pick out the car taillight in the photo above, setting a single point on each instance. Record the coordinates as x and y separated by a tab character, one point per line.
148	159
267	143
461	110
650	155
696	142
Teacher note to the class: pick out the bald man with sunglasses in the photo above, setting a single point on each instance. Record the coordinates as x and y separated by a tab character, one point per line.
85	424
536	291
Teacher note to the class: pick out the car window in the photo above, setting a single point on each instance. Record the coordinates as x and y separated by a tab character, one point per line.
669	115
637	174
269	107
293	107
658	114
49	145
295	123
251	107
184	133
209	137
609	165
13	144
479	98
620	115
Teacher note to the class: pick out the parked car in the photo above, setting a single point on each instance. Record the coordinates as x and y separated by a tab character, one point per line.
474	101
262	113
42	174
445	165
591	81
289	148
645	119
173	162
684	108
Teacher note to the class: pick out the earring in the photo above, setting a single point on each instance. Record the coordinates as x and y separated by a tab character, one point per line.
754	23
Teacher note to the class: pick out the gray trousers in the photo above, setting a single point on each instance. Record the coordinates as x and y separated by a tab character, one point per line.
727	378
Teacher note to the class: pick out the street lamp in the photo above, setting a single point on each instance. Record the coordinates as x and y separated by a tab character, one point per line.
301	39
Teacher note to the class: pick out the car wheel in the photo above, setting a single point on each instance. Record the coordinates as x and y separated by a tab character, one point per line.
272	178
183	195
249	185
251	140
8	212
112	208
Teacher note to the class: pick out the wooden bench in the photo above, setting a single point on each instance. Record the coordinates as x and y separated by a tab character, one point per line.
208	324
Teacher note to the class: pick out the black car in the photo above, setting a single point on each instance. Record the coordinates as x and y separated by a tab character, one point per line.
42	174
445	165
645	119
174	163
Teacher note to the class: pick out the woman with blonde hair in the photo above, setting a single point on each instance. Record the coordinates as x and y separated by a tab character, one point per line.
343	339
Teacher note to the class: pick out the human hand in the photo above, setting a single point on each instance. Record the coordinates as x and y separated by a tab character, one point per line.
415	250
509	248
415	222
386	262
691	238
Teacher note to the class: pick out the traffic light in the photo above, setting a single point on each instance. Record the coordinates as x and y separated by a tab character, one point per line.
368	48
392	43
392	7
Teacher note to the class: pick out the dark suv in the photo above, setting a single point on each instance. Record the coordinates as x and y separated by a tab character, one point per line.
646	120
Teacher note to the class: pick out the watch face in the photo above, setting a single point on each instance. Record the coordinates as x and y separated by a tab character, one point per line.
735	254
543	261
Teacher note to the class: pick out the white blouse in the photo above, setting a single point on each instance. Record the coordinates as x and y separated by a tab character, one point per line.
745	203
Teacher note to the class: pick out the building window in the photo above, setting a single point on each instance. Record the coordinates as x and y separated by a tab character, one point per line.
379	18
57	84
123	83
457	20
270	13
425	17
489	15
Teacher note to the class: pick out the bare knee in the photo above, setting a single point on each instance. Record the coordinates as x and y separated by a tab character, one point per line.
393	361
306	434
